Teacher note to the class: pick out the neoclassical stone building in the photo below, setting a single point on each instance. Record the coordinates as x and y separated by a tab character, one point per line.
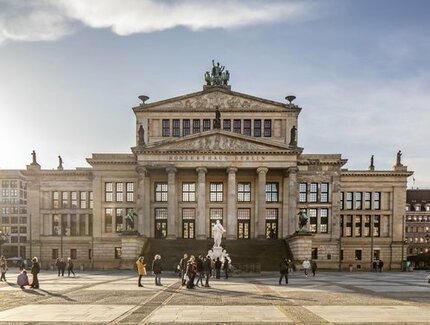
214	155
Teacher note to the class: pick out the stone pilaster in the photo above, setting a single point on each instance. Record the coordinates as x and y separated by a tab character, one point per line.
143	219
261	201
231	203
201	203
172	202
292	200
283	221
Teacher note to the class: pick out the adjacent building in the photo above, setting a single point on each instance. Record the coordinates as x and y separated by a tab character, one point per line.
417	227
213	155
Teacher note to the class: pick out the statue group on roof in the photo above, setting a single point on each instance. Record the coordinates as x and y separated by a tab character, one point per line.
218	76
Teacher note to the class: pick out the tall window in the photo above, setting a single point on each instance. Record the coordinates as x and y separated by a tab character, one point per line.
56	200
324	192
73	225
74	199
206	125
237	126
303	188
358	201
267	128
341	200
272	192
366	226
176	127
129	188
55	253
348	228
108	220
196	126
83	200
216	192
271	223
257	128
73	254
56	225
189	192
376	226
91	200
188	223
160	222
243	223
247	127
119	192
367	200
313	192
82	223
186	127
161	192
324	220
118	220
166	128
357	232
64	200
226	125
244	192
349	200
313	220
108	192
377	200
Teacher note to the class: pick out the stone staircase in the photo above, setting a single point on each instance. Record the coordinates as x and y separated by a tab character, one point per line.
247	255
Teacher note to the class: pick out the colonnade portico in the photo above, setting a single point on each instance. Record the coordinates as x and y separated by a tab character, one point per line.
202	203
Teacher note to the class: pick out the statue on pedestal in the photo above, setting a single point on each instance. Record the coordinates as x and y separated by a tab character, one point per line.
217	121
399	158
217	232
293	136
60	163
33	154
129	221
303	220
141	134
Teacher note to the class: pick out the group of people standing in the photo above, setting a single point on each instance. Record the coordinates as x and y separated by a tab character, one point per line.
377	266
61	266
202	267
22	279
157	268
287	266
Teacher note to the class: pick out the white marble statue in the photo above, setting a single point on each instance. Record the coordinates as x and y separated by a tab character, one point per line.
217	231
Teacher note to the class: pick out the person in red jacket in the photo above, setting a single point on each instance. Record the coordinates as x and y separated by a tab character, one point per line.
191	272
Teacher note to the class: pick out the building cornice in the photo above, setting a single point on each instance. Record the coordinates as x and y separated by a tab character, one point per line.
381	173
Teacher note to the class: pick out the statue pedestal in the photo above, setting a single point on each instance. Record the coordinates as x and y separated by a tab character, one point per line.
300	244
218	252
131	246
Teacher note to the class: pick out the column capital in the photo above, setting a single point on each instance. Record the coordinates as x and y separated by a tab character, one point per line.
263	170
142	170
201	170
171	170
231	170
290	170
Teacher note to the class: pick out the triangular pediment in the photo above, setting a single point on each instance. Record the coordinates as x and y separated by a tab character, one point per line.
218	141
224	99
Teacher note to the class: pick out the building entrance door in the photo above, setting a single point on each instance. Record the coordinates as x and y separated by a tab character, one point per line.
243	229
160	228
271	229
188	229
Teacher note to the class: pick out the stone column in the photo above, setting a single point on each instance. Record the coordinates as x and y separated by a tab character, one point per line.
87	225
143	226
201	203
231	204
172	200
292	200
261	202
284	219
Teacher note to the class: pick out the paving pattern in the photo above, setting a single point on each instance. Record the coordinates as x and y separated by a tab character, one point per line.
113	297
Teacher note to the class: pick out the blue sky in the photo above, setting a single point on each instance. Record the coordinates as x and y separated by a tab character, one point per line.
72	70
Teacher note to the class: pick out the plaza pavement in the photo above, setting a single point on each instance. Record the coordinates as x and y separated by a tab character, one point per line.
112	297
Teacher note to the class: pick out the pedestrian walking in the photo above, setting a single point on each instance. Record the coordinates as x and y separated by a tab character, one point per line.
200	274
191	272
207	269
314	267
156	269
3	268
225	267
62	266
183	267
375	266
22	279
380	265
283	270
218	268
58	265
306	266
141	270
290	266
70	267
35	269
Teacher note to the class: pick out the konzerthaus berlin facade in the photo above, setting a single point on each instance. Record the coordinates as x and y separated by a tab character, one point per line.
206	156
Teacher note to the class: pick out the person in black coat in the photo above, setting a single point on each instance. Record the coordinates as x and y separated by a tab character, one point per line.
156	269
200	274
225	267
35	269
207	268
283	269
218	268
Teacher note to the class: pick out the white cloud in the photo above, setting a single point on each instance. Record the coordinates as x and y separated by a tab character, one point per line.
47	20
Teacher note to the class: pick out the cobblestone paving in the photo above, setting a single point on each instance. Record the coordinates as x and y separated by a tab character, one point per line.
112	297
